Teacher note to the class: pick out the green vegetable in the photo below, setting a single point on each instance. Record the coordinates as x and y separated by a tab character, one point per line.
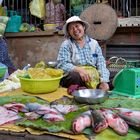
24	27
41	64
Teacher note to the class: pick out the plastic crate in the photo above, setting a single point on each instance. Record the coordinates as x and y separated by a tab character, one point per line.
133	64
127	82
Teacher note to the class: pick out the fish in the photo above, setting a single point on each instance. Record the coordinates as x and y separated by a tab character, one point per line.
129	112
120	109
32	115
81	122
115	122
99	122
65	100
33	106
65	109
53	117
43	109
132	117
8	116
16	107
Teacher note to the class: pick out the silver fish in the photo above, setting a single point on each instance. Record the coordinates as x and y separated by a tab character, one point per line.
53	117
16	107
33	106
8	116
32	115
43	109
81	122
115	122
99	122
132	117
64	109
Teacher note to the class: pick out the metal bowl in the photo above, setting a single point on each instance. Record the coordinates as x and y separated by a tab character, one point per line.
90	96
52	64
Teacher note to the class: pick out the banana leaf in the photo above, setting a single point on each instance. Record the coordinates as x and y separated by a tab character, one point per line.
21	99
109	134
61	126
122	101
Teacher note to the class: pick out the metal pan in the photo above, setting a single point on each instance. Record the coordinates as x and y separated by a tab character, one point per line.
90	96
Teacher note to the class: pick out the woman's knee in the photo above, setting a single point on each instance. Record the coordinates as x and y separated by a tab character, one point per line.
71	79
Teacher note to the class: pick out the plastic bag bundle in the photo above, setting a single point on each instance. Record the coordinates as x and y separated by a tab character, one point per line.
14	22
37	8
94	76
2	11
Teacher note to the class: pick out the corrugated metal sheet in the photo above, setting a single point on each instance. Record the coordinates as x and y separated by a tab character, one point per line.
129	52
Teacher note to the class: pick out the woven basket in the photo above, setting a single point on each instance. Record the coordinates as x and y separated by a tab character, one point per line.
115	64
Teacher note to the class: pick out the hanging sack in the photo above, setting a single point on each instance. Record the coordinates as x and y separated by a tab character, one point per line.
3	19
3	23
2	11
37	8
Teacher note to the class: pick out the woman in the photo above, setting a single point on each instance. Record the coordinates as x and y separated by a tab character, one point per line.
78	50
4	56
55	13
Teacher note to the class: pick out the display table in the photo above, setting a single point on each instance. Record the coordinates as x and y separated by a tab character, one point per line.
12	132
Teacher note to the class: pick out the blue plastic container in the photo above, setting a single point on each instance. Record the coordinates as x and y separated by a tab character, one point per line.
14	22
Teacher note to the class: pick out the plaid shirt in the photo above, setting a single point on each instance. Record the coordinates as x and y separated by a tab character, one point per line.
71	55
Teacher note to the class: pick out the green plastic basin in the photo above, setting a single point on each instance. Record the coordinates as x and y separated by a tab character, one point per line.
2	71
37	86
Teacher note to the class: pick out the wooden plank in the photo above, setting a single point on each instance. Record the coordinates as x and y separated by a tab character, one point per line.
129	22
27	34
124	39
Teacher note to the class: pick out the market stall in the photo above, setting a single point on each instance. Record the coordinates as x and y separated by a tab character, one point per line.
28	110
22	94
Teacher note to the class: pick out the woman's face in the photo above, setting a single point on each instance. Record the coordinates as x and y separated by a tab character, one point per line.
76	30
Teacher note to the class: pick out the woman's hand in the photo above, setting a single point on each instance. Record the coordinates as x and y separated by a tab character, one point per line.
104	86
83	73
